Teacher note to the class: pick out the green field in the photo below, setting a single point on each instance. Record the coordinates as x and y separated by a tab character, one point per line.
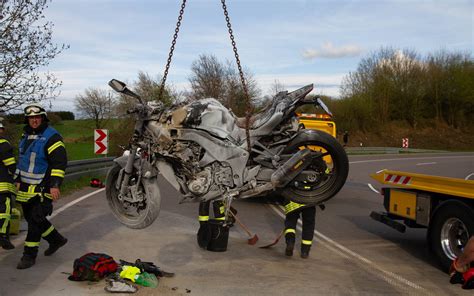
78	137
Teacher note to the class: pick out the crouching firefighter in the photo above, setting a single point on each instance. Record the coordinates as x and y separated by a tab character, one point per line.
39	174
308	214
7	189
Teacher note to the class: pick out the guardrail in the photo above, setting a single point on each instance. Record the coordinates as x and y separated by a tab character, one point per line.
99	166
96	166
387	150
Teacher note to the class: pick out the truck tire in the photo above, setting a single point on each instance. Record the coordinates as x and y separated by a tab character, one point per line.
451	227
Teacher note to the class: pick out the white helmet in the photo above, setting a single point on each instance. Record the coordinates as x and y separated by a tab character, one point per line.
35	110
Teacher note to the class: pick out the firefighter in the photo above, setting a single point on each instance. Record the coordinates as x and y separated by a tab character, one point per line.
39	174
7	189
345	138
308	213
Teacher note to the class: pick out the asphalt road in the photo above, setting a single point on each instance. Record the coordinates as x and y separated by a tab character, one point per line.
351	255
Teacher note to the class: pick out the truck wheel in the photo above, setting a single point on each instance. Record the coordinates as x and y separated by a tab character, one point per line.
449	231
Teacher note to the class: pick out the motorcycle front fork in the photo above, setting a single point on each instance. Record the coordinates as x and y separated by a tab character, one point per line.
127	172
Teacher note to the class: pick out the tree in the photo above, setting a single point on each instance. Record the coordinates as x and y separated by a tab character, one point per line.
148	88
394	85
276	87
234	95
208	78
96	104
389	85
26	47
211	78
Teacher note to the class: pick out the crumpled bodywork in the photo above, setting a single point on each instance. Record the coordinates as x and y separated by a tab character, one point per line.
209	141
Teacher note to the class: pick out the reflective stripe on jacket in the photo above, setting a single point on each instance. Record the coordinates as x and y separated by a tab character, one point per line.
7	167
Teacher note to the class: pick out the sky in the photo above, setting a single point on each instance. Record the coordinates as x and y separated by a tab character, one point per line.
294	42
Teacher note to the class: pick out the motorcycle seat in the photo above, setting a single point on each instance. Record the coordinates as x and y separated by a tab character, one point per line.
280	102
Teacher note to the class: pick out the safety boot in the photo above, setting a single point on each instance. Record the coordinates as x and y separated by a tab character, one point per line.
55	245
5	242
305	251
26	262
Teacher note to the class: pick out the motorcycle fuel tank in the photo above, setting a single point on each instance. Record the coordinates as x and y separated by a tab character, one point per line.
212	116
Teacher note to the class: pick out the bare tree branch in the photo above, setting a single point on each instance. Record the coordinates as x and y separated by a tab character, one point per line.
212	79
96	104
25	47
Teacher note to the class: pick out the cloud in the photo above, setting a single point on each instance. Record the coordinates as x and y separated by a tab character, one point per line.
324	84
328	50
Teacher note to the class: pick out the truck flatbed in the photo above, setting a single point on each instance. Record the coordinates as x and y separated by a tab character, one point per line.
442	185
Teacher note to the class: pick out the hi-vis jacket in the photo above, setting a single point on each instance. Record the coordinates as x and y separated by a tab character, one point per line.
7	167
42	162
291	206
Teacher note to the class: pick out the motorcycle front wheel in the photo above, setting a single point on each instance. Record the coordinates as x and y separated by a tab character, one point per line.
325	176
136	215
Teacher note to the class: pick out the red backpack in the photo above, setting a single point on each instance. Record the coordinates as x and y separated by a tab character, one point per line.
93	267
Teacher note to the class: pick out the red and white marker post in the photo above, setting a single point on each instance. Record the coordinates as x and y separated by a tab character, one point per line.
101	141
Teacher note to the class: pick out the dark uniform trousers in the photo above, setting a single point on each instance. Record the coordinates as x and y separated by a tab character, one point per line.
308	215
218	209
35	211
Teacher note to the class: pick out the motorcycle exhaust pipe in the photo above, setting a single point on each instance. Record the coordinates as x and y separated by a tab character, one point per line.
291	168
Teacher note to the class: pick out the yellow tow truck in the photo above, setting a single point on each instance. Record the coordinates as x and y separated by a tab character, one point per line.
321	122
445	206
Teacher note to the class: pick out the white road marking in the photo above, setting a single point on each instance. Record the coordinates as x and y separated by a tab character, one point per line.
388	276
469	176
20	238
372	188
413	158
426	163
68	205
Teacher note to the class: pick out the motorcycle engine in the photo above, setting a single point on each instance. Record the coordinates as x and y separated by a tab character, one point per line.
210	178
200	180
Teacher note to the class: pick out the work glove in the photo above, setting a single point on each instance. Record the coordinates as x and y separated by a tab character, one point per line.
204	235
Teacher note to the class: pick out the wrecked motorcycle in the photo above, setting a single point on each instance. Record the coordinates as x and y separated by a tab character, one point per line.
200	148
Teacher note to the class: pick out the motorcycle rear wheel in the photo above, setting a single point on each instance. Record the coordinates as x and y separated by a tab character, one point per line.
149	210
331	175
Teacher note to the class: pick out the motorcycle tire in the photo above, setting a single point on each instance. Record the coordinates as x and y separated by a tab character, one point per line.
146	215
334	180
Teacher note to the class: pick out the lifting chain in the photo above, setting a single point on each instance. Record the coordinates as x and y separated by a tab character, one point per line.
173	43
248	106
